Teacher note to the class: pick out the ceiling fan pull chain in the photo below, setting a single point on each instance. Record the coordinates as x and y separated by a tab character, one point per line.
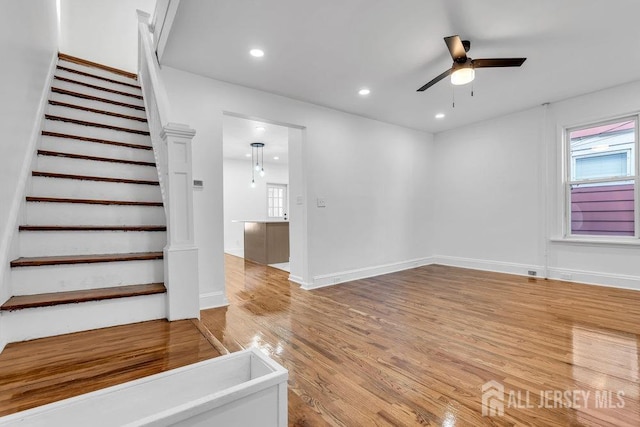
471	88
453	96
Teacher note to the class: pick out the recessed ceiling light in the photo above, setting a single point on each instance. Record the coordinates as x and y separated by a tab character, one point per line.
248	155
440	116
276	158
258	53
260	128
364	91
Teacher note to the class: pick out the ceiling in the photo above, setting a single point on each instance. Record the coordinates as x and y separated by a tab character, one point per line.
325	51
238	133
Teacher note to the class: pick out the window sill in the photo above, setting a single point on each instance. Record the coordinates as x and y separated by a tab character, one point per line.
590	241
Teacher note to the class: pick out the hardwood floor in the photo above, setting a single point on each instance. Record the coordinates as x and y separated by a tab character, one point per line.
42	371
416	347
404	349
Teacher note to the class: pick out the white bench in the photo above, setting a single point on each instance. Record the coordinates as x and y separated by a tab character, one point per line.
240	389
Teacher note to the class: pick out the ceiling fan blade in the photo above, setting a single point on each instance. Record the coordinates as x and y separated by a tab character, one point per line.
456	48
434	81
497	62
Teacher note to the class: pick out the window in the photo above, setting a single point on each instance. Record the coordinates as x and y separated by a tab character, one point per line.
277	200
602	179
602	166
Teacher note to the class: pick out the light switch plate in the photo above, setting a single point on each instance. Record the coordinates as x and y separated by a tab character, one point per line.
299	200
321	202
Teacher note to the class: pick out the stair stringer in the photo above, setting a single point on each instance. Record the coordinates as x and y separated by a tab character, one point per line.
8	239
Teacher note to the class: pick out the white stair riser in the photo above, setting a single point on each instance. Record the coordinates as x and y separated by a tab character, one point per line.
39	213
74	87
88	116
98	72
88	148
98	82
81	189
75	277
54	243
67	318
96	132
28	324
98	105
95	168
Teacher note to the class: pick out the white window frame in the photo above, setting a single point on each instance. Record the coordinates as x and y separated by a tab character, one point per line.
569	164
285	200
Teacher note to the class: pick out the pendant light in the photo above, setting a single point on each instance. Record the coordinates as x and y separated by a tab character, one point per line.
257	161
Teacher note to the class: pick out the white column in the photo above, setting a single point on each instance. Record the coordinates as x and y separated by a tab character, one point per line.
180	254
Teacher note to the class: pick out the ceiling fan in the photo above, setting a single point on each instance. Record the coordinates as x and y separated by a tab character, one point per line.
463	69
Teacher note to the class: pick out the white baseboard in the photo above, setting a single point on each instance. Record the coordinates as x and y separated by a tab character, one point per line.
490	265
363	273
3	339
595	278
299	280
213	300
564	274
239	252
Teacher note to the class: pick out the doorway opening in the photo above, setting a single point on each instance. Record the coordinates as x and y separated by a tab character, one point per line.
262	173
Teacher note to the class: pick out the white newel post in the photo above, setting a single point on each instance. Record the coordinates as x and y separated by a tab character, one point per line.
180	254
172	149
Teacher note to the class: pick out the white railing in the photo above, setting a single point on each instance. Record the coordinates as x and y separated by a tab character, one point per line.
160	23
172	151
156	24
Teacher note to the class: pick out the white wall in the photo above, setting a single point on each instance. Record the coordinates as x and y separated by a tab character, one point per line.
376	179
103	31
615	265
487	196
297	210
28	44
498	181
241	202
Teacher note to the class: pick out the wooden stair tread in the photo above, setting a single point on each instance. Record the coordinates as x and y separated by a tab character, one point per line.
97	140
95	76
94	124
94	158
84	259
96	87
97	111
95	98
92	228
93	178
92	64
72	297
91	201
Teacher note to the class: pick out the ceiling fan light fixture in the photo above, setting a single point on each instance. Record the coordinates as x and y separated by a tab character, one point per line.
462	76
463	69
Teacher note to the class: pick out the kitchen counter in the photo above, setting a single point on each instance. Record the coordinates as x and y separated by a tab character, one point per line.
266	241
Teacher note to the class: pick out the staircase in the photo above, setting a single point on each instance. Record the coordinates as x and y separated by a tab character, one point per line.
93	226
